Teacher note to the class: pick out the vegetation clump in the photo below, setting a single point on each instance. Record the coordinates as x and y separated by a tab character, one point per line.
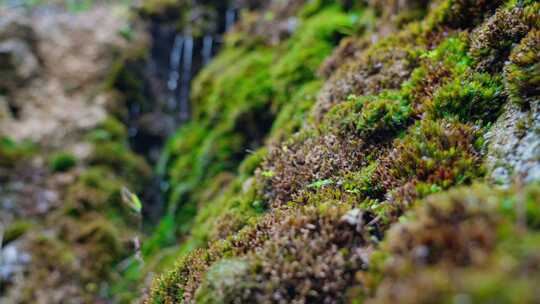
522	73
435	155
455	244
62	162
12	152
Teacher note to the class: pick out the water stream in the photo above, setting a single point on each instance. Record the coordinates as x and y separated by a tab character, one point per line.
187	63
208	45
175	58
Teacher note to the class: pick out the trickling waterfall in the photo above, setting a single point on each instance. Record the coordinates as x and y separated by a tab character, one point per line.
186	79
175	57
174	74
182	66
180	71
230	18
208	44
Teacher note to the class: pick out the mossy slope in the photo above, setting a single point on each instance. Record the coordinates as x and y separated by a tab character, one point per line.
317	214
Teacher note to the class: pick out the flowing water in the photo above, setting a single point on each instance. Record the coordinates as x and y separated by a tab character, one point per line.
174	60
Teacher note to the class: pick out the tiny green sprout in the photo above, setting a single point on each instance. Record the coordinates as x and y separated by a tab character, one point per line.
320	183
131	200
268	174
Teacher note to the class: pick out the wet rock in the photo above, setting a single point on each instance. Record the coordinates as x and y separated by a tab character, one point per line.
514	145
14	24
17	63
151	130
156	124
12	262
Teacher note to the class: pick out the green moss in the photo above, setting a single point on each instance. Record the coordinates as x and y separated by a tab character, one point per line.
474	97
225	95
373	116
384	113
250	163
383	66
15	230
360	182
62	162
294	114
110	130
235	106
449	58
123	161
522	73
95	189
306	50
441	153
224	215
12	152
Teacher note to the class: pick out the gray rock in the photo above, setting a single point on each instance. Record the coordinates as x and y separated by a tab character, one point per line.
14	24
514	145
17	63
12	261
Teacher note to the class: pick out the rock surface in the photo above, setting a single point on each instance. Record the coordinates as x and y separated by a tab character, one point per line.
69	57
514	145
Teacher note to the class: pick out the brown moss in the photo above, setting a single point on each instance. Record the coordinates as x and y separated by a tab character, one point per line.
278	237
460	13
311	256
290	168
457	244
384	66
349	49
436	153
492	42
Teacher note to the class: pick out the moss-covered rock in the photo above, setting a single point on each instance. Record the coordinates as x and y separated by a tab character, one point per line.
12	152
455	246
235	105
403	113
522	73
